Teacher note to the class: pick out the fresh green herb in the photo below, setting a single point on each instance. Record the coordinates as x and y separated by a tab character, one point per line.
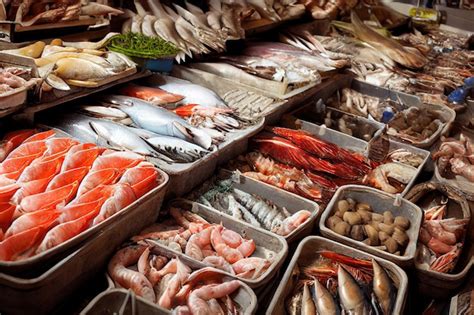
139	45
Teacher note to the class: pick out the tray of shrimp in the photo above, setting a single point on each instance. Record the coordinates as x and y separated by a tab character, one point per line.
325	277
210	238
259	204
57	192
176	283
445	250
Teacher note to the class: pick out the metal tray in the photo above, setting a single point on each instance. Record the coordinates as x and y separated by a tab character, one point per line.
265	241
380	202
354	144
437	284
244	296
35	264
279	197
41	293
304	254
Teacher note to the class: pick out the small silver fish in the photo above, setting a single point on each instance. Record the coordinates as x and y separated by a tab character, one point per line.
177	149
324	300
383	288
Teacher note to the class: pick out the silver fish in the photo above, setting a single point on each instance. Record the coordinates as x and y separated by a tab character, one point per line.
351	296
119	137
194	93
324	300
77	126
159	120
383	288
177	149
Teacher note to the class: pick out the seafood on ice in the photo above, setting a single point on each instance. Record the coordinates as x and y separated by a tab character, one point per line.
441	240
455	158
54	188
62	66
250	208
360	222
171	283
29	12
212	244
333	283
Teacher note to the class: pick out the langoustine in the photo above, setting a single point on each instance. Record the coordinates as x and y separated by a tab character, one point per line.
48	196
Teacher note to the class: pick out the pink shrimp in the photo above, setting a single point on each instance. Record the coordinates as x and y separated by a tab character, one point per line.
292	223
197	242
182	273
219	263
197	301
251	267
230	254
128	278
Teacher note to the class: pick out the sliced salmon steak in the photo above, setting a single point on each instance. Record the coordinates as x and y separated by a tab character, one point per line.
79	158
13	139
121	160
7	192
49	199
29	148
40	169
41	136
155	96
122	196
58	146
65	231
7	210
32	187
99	192
105	176
75	211
141	179
68	177
32	219
12	247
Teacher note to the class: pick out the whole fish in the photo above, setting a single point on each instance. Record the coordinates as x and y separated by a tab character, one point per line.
159	120
193	93
75	125
351	296
119	137
383	288
308	307
324	300
177	149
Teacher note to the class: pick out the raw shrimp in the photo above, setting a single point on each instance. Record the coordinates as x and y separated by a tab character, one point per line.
197	301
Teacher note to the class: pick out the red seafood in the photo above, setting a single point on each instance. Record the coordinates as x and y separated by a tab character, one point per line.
196	109
155	96
287	152
141	179
81	155
13	139
7	210
93	179
49	198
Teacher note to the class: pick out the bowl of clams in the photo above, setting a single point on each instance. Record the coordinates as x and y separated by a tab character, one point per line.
373	221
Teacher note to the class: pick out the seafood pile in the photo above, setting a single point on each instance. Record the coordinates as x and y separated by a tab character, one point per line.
358	221
300	162
54	188
13	78
455	158
209	243
190	29
334	283
170	283
79	64
29	12
441	240
249	105
250	208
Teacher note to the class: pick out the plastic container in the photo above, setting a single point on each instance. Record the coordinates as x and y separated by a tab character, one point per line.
244	297
279	197
268	245
432	283
41	293
304	255
34	265
379	202
354	144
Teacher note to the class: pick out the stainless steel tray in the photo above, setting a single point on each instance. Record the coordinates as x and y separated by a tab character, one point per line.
379	202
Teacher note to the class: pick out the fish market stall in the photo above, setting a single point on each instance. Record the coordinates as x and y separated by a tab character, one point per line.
234	157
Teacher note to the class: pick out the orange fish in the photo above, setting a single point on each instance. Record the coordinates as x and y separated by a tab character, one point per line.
155	96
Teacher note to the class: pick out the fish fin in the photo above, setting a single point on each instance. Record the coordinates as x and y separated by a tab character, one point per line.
81	83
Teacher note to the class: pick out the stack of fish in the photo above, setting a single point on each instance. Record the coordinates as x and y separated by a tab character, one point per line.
249	208
53	189
441	240
306	165
29	12
210	243
334	283
172	284
190	29
84	64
